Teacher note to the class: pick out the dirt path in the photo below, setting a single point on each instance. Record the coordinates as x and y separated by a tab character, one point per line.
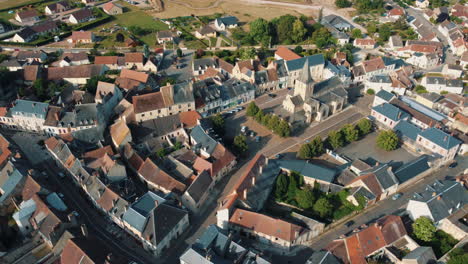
214	5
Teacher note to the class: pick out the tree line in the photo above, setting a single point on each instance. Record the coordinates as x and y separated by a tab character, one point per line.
278	125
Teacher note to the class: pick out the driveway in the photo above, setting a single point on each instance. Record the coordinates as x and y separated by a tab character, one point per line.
367	148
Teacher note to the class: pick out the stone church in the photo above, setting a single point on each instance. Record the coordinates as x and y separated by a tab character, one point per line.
318	100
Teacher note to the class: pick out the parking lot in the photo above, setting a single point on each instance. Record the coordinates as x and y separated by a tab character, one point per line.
366	148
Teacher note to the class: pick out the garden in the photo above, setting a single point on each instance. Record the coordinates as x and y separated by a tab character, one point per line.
426	234
326	207
276	124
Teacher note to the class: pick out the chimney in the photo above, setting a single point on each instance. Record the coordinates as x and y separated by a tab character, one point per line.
445	138
399	115
253	181
439	197
156	203
434	194
244	194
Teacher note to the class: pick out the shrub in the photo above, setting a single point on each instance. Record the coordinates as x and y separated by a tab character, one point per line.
370	91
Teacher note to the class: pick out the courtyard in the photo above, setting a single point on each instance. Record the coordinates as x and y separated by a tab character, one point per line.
367	149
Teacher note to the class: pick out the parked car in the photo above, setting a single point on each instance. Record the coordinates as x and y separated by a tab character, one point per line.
453	165
349	223
244	129
278	156
75	213
252	134
61	195
257	139
61	174
396	196
272	95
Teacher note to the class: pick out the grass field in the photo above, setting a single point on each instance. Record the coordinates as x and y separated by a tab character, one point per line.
133	16
13	3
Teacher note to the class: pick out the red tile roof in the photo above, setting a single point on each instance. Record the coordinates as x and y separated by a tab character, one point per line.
263	224
72	254
134	75
30	188
82	35
373	64
134	57
364	42
107	199
286	54
105	60
189	118
153	174
28	13
396	12
148	102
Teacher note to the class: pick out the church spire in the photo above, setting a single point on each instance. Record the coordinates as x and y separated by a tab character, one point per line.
305	76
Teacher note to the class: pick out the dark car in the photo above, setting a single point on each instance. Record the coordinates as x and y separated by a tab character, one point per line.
272	95
349	223
453	165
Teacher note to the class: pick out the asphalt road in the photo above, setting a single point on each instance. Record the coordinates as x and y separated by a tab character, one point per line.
96	222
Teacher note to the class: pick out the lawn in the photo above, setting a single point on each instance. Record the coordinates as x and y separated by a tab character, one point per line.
134	17
13	3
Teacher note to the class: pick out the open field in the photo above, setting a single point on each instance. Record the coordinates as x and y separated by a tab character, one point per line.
132	16
13	3
245	10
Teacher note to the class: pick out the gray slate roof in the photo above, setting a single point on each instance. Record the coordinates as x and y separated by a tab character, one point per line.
387	96
323	257
228	20
298	64
310	170
390	111
452	197
406	129
412	169
440	138
199	186
30	108
203	140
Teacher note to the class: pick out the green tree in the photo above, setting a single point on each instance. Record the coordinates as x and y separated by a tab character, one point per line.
179	53
356	33
385	31
259	116
437	3
218	123
316	146
266	119
283	129
298	31
305	199
284	28
350	133
281	186
119	37
365	126
335	139
424	229
323	207
91	83
161	152
420	89
252	109
273	122
298	50
146	51
322	37
292	188
260	30
388	140
458	256
3	57
305	152
343	3
246	54
372	28
39	88
240	144
370	91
